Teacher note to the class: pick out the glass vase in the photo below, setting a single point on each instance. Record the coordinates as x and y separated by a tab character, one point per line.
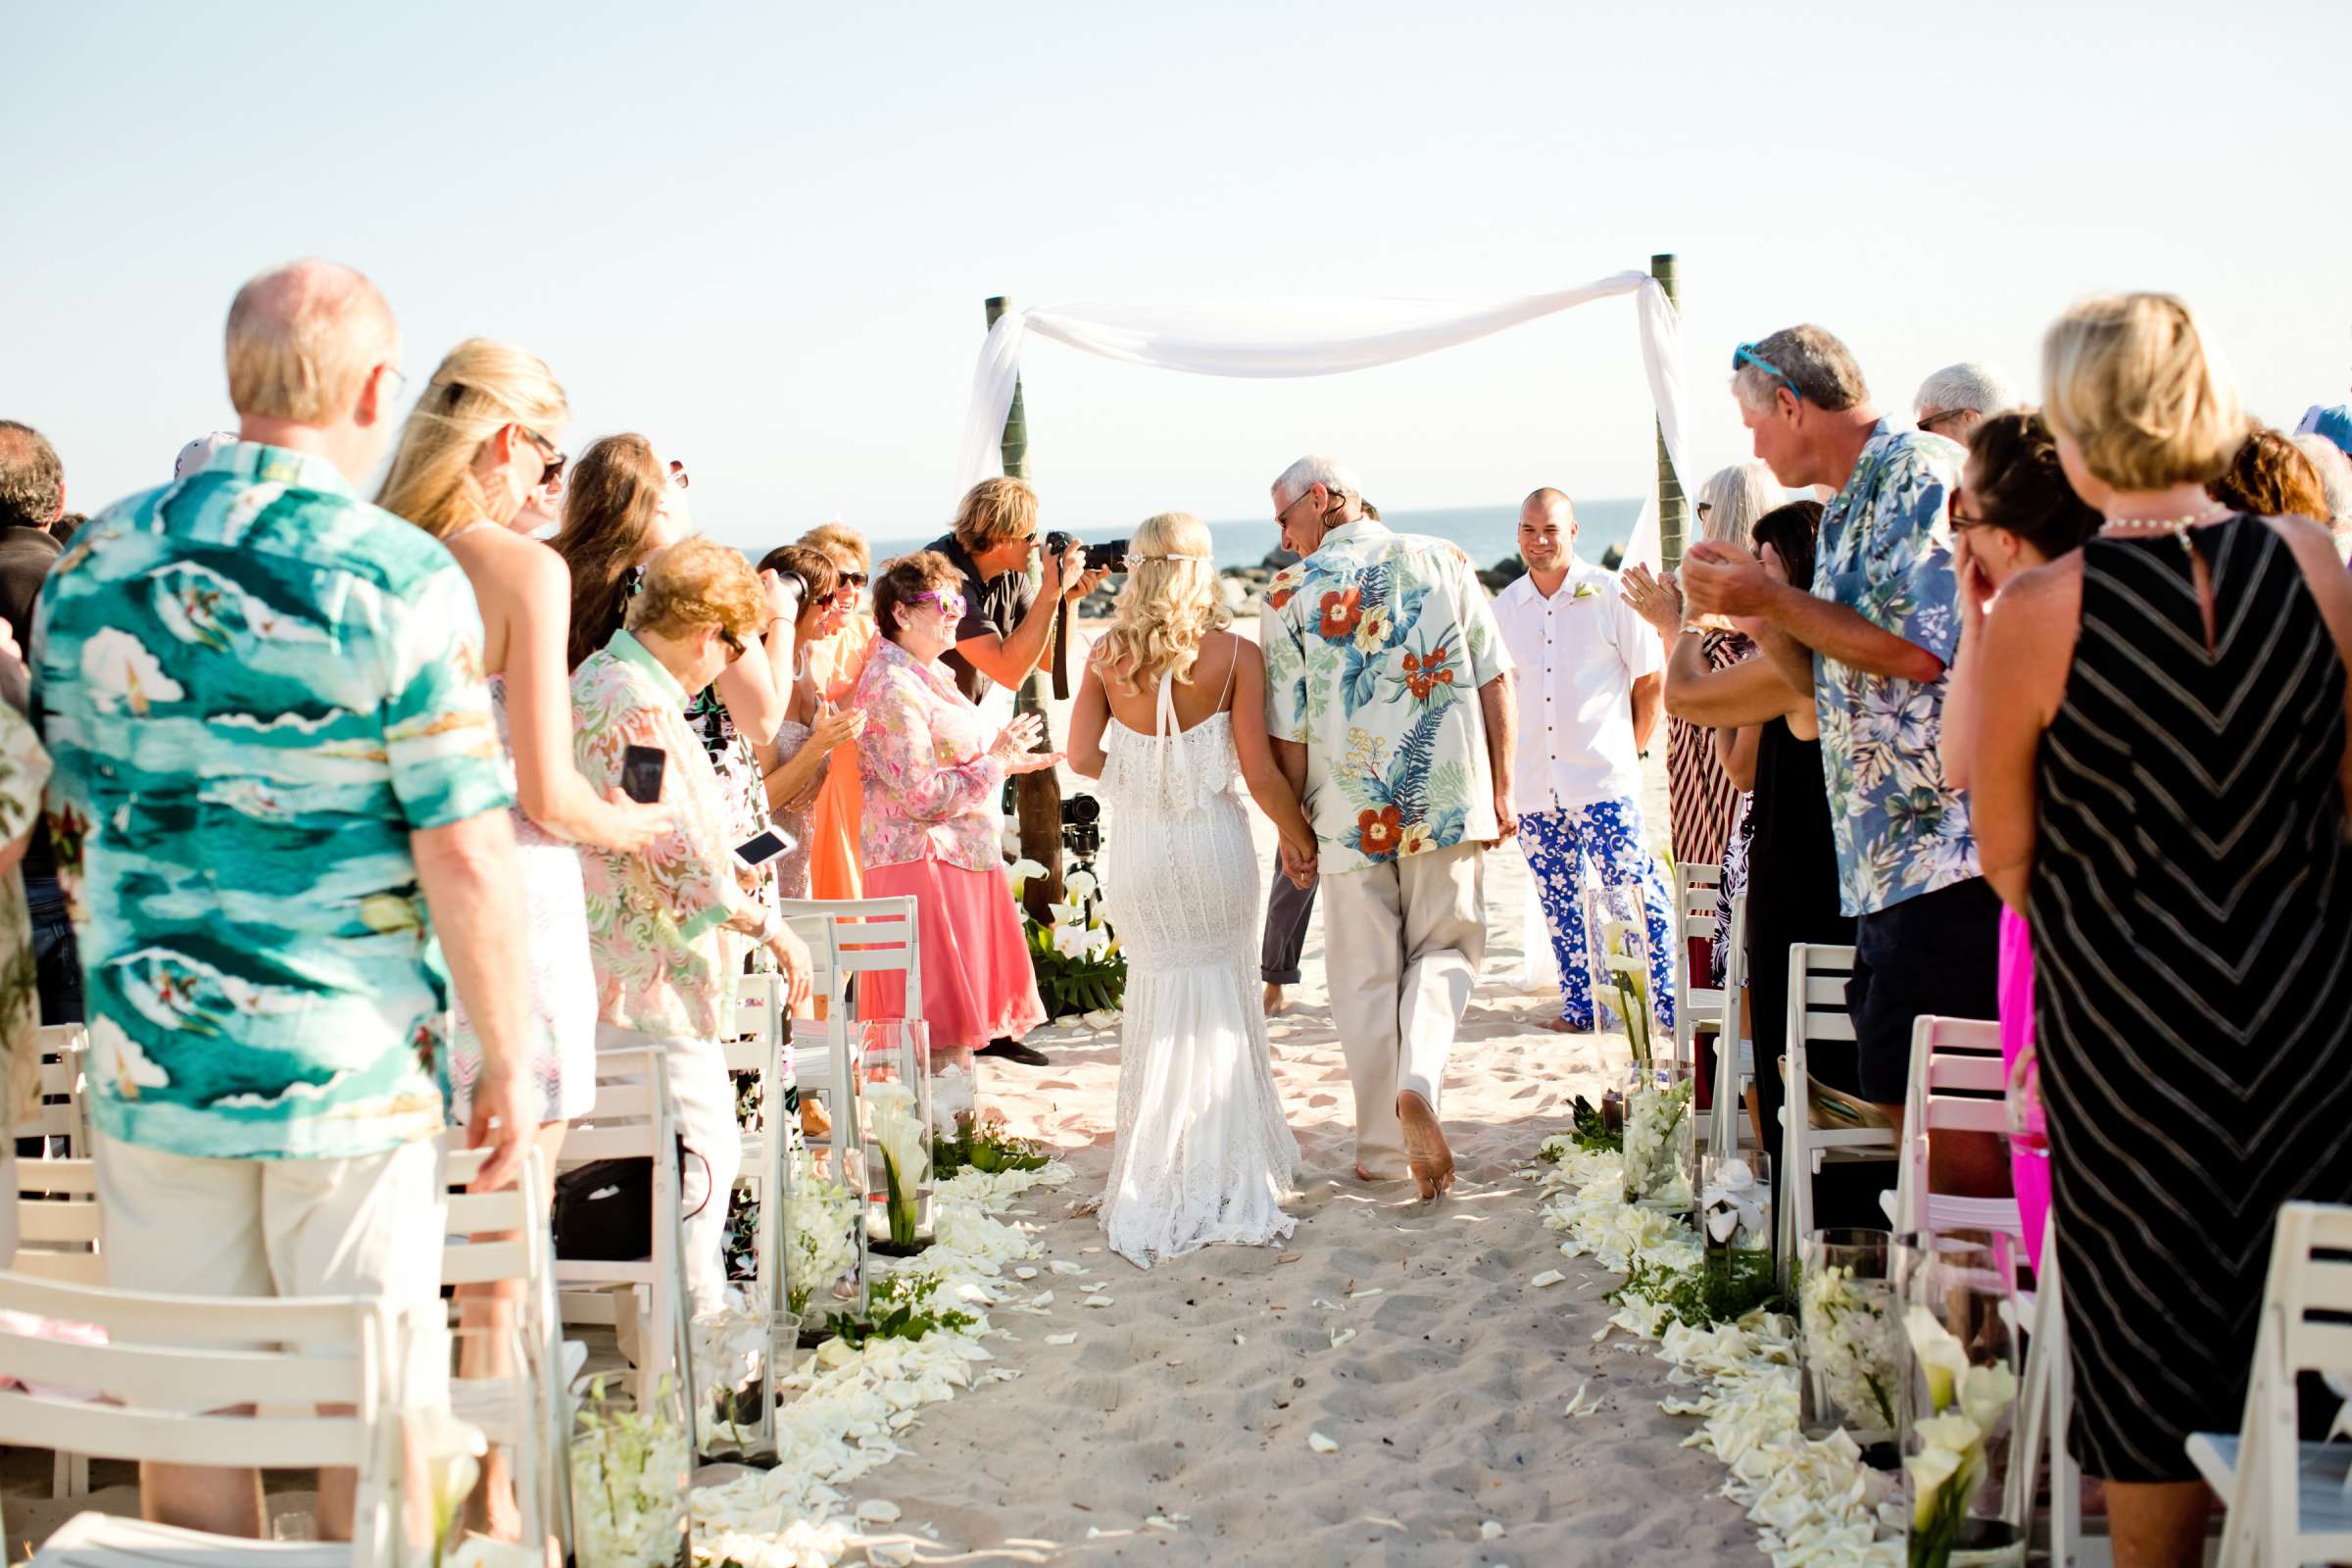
1849	1335
822	1241
1661	1148
1617	953
741	1354
629	1473
1957	1294
894	1105
1735	1202
954	1092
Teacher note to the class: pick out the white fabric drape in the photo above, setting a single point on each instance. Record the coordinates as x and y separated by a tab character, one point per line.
1264	337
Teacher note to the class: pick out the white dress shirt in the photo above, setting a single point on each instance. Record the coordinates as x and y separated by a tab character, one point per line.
1578	655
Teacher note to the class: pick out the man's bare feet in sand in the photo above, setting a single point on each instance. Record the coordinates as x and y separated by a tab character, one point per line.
1561	1026
1276	1004
1425	1146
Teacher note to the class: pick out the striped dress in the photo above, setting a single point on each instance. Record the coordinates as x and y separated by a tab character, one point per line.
1700	797
2191	911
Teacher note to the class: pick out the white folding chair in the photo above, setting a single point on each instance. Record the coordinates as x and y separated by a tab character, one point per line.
169	1359
1735	1053
524	1411
633	1120
1697	890
1817	1011
2045	1412
1954	1063
63	1114
2289	1502
57	1238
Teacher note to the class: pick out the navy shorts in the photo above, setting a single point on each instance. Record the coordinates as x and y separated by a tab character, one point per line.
1937	953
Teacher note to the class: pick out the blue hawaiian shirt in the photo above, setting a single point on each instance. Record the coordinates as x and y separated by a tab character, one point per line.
1376	646
255	687
1887	554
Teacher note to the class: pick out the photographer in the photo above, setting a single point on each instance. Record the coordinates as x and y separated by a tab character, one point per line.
1008	619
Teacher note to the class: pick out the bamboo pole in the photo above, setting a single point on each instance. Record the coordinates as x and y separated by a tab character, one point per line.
1674	507
1036	797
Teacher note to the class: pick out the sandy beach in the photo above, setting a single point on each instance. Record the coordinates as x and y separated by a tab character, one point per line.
1190	1397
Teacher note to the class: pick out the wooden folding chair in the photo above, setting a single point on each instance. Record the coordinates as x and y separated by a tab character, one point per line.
2289	1502
168	1360
1954	1064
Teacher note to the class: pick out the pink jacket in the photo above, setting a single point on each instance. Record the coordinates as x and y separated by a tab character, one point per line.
931	790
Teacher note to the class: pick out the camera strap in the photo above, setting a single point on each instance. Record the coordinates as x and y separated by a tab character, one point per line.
1057	641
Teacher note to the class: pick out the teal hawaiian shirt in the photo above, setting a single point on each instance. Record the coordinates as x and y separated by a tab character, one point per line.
1376	646
255	687
1887	554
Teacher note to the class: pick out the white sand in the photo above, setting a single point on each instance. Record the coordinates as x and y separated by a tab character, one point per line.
1447	1407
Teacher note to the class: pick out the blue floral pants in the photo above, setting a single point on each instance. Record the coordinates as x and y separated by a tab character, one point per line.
1611	839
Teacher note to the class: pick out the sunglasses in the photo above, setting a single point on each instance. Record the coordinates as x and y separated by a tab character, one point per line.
551	461
948	601
678	475
1746	354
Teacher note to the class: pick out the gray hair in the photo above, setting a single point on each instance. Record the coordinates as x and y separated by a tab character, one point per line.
1819	369
1734	498
32	482
1968	385
303	339
1312	470
2335	474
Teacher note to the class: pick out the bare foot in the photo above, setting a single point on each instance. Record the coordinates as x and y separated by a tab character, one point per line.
1561	1026
1425	1146
1276	1004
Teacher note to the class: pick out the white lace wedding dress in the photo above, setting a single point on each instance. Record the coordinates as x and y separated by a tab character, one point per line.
1204	1152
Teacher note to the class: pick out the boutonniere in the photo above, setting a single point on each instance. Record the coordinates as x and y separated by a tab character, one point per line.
1583	590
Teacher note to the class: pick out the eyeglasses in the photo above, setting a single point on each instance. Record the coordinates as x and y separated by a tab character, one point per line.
1929	421
551	461
1962	521
733	641
400	380
948	601
1705	507
1747	353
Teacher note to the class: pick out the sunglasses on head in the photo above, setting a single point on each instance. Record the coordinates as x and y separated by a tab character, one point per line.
1746	354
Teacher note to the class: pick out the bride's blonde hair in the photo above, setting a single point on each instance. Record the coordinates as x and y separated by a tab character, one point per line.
1171	600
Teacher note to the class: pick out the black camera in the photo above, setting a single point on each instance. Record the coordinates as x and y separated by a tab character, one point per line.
1082	824
1097	557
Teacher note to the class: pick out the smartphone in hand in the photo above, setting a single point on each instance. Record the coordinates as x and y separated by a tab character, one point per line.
641	768
755	853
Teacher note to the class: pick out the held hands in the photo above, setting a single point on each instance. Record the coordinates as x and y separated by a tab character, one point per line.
1298	863
1656	600
1721	579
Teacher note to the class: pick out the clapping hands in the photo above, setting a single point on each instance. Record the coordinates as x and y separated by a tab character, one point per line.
1656	600
1013	743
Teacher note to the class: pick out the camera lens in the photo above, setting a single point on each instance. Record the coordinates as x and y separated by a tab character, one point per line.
1081	808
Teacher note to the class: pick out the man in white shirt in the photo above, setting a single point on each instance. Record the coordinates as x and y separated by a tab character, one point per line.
1590	688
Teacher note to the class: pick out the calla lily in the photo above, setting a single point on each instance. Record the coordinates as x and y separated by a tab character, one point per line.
1069	941
1953	1434
1943	1358
1081	885
1986	1392
1066	913
1929	1470
1098	942
1021	870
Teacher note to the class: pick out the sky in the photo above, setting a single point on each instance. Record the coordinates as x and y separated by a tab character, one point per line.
762	234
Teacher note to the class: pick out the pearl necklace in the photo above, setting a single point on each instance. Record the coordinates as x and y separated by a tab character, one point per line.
2159	527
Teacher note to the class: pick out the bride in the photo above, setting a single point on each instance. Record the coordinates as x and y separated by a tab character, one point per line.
1171	712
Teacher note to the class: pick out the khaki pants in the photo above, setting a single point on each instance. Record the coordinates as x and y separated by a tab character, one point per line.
1402	944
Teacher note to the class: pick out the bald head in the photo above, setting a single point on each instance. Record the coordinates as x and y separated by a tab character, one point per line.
1552	504
304	341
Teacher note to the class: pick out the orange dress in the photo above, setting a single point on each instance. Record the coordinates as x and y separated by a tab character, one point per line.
835	663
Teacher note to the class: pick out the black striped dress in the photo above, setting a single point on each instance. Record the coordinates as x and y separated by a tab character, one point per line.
2192	941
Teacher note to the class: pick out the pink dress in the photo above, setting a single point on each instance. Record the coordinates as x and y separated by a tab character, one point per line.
2027	1169
930	828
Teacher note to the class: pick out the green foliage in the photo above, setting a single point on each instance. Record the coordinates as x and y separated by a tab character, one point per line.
1075	983
900	1310
986	1147
1723	1288
1589	1131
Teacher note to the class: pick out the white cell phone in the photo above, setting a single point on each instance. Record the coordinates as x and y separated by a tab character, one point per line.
755	853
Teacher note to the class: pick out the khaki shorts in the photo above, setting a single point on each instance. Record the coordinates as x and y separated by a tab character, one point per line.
182	1225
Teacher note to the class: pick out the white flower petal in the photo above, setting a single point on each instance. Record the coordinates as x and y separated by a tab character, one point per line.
1321	1444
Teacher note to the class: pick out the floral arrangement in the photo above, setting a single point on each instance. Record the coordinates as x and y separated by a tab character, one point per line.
1814	1500
1968	1402
1624	968
1074	952
1654	1118
1850	1346
1732	1206
902	1309
820	1247
731	1358
897	1126
629	1482
984	1146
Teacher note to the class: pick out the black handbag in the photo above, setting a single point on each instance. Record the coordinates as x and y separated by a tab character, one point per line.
604	1211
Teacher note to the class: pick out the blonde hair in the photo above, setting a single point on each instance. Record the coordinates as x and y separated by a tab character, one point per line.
1171	601
2129	379
480	389
301	340
1734	498
839	540
995	510
698	582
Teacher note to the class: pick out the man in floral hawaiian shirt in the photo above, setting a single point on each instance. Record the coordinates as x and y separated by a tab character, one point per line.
278	782
1873	639
1389	701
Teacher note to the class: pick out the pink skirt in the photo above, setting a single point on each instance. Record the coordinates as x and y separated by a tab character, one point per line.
978	983
2030	1171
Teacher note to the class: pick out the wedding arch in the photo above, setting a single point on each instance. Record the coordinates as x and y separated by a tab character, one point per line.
1273	336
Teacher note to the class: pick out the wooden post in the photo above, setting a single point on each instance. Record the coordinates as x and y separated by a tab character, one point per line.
1036	797
1673	506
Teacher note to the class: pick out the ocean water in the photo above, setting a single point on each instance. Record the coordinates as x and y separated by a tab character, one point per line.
1487	534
